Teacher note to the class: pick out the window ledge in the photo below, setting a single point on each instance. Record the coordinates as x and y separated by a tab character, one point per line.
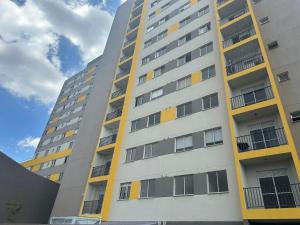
184	195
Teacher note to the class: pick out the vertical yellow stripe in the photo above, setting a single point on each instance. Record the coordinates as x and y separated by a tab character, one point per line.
135	190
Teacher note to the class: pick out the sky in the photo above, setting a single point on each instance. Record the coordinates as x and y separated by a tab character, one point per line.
43	42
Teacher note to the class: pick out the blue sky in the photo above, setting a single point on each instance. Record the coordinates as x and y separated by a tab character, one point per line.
41	44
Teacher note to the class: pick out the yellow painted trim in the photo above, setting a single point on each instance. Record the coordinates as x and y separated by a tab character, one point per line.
35	168
245	72
125	61
54	177
47	158
105	147
134	18
121	78
193	2
168	114
196	77
128	45
269	214
91	215
225	4
135	29
150	75
173	28
55	119
91	70
63	99
157	11
235	20
88	78
98	179
116	99
109	122
81	98
69	133
135	190
50	130
254	107
243	42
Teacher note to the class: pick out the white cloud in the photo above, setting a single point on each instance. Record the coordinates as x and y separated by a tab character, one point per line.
29	142
29	33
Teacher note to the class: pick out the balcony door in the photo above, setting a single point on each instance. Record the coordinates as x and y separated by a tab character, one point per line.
264	135
254	94
276	190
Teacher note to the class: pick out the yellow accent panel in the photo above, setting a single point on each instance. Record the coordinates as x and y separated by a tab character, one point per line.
112	121
50	130
81	98
235	20
63	99
69	133
253	107
196	77
117	98
168	114
193	2
150	75
135	190
121	78
35	168
87	79
173	28
54	177
244	72
283	213
98	179
54	119
47	158
225	4
157	12
91	70
104	148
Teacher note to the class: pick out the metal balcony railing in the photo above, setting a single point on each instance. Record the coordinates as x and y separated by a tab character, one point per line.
118	93
114	114
221	2
262	138
108	140
279	196
92	207
234	15
102	170
121	74
128	42
244	64
238	37
125	57
250	98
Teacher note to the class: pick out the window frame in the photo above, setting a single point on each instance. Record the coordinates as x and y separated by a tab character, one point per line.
130	155
217	173
142	78
185	148
127	187
184	105
155	120
184	185
215	142
134	125
147	189
211	106
187	82
156	97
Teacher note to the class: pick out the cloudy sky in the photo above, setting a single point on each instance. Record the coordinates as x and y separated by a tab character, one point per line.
42	42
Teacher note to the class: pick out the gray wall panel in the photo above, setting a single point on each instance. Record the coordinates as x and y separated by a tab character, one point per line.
139	153
164	187
198	139
166	146
200	184
197	105
169	88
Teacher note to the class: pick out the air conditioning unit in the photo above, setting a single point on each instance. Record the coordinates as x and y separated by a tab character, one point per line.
295	116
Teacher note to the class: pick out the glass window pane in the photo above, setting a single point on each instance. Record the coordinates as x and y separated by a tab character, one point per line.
148	151
206	102
218	136
188	141
144	189
189	184
151	188
214	100
180	111
222	179
212	181
180	143
179	185
188	108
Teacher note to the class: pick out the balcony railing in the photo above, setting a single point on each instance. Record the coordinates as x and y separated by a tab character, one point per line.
238	37
279	196
92	207
108	140
125	57
262	138
234	15
121	74
100	170
118	93
128	42
114	114
244	64
221	2
250	98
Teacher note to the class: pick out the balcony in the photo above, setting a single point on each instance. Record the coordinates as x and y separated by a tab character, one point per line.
250	98
273	196
114	114
234	15
242	35
108	140
244	64
121	74
102	170
261	138
124	58
221	2
93	207
118	93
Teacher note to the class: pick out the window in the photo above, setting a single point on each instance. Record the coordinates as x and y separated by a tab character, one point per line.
139	100
154	119
217	181
272	45
59	161
264	20
184	82
150	28
208	72
203	11
154	3
160	52
165	6
156	93
148	150
152	15
184	59
184	7
184	143
185	21
130	154
125	191
184	109
145	60
204	29
142	79
295	116
283	76
135	125
159	71
210	101
213	137
162	35
184	185
60	176
163	20
148	43
206	49
147	188
184	39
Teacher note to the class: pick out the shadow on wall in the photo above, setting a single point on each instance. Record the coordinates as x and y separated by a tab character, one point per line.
25	197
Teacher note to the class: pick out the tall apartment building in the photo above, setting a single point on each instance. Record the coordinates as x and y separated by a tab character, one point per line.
201	120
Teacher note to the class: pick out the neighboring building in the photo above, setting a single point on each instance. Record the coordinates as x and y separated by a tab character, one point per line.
201	120
24	196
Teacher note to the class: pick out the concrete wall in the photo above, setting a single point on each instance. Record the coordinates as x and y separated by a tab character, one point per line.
35	194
